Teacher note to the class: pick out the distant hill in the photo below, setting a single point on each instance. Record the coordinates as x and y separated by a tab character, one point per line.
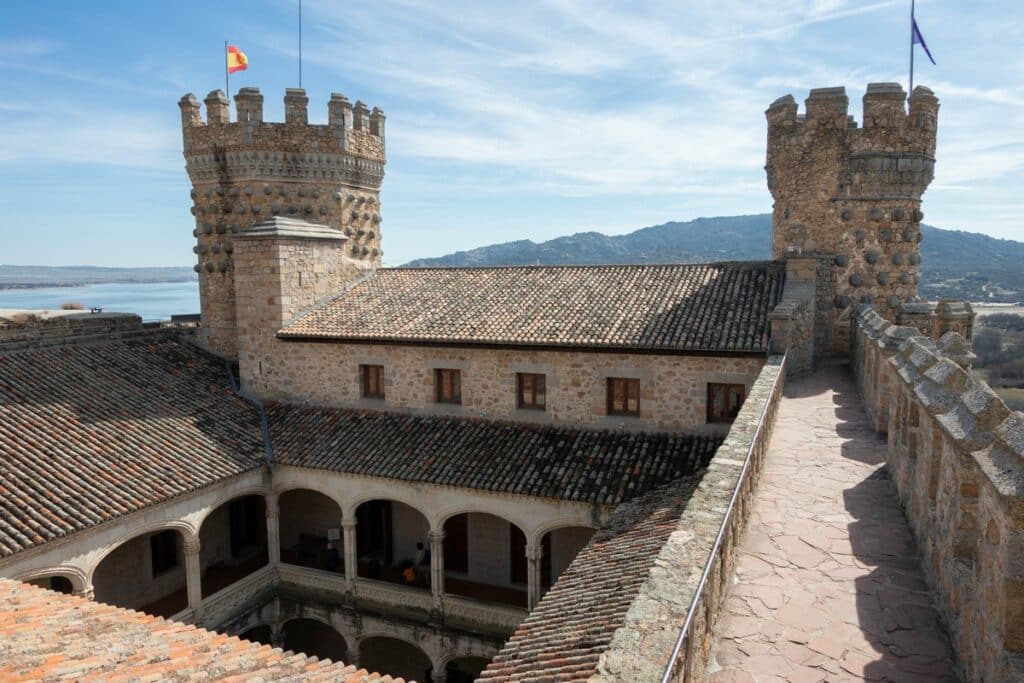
955	264
30	277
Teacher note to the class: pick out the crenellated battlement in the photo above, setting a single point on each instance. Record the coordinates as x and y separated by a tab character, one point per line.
854	191
250	170
351	129
887	124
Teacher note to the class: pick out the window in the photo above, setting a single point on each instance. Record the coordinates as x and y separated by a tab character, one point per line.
448	386
373	380
623	396
163	547
724	401
530	390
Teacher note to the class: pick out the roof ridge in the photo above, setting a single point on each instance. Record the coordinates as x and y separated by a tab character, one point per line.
734	262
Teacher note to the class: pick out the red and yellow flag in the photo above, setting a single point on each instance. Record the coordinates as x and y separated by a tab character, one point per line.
237	61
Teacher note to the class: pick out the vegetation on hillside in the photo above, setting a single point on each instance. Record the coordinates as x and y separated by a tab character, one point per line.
999	343
956	265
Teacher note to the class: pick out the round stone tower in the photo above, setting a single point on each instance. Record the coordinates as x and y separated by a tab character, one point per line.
248	171
854	193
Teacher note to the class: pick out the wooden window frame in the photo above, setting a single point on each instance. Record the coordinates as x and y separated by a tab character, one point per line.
455	378
162	559
538	381
370	375
726	387
631	385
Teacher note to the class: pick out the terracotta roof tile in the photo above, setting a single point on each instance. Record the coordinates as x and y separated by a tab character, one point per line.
92	432
605	467
692	307
48	636
572	626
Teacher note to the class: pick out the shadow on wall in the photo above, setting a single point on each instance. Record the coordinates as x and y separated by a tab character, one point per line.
895	614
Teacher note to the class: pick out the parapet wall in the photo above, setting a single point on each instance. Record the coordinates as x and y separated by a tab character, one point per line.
651	645
956	455
20	330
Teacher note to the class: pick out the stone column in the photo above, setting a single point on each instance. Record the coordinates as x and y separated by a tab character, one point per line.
439	676
437	568
534	553
273	530
277	635
194	578
88	593
348	533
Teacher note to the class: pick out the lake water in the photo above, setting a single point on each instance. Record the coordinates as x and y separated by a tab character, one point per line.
153	301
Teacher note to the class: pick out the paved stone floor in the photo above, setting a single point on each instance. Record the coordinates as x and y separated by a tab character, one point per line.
828	584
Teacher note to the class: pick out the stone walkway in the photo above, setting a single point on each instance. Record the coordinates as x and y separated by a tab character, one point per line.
828	584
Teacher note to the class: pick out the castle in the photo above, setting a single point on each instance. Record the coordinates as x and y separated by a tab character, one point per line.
521	473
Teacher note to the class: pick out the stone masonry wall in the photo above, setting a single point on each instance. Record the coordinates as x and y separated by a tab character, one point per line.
854	193
644	648
956	455
246	171
34	329
673	389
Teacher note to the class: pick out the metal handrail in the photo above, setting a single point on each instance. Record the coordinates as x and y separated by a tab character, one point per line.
684	632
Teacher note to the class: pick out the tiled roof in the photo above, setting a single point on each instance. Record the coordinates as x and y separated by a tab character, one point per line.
92	432
47	636
695	307
572	626
605	467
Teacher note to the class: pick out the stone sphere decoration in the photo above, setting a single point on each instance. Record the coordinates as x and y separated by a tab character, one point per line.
846	214
882	278
215	249
228	248
871	256
899	213
208	229
905	279
222	228
323	210
866	299
842	301
908	235
196	267
256	209
268	190
914	259
193	210
234	228
893	301
876	214
292	209
898	259
209	267
859	234
856	279
248	191
301	191
223	266
885	235
275	208
339	196
918	215
195	232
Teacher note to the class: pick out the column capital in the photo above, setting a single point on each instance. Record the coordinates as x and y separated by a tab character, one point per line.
349	524
534	552
436	537
191	546
88	593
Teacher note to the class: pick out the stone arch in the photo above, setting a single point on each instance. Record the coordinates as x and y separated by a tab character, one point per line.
388	534
441	518
312	485
539	531
396	495
187	530
459	670
77	577
305	517
558	553
146	569
409	661
323	640
485	557
233	539
200	517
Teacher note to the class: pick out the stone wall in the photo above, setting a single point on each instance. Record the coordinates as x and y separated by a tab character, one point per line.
854	192
35	329
673	389
690	578
956	455
249	170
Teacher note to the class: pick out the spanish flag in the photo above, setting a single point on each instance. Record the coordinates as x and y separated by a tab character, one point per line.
237	61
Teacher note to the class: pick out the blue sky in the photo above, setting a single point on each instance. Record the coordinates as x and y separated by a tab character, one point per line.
554	117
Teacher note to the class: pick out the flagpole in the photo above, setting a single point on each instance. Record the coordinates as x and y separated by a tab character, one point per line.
224	56
300	43
911	47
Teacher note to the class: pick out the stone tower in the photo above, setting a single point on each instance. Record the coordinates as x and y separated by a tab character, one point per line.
852	194
248	171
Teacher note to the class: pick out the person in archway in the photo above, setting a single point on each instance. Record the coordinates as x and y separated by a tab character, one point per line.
422	557
332	558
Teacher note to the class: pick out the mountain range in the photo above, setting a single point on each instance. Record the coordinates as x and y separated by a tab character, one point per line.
955	264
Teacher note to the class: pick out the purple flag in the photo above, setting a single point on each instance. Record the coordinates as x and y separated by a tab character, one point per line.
918	39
